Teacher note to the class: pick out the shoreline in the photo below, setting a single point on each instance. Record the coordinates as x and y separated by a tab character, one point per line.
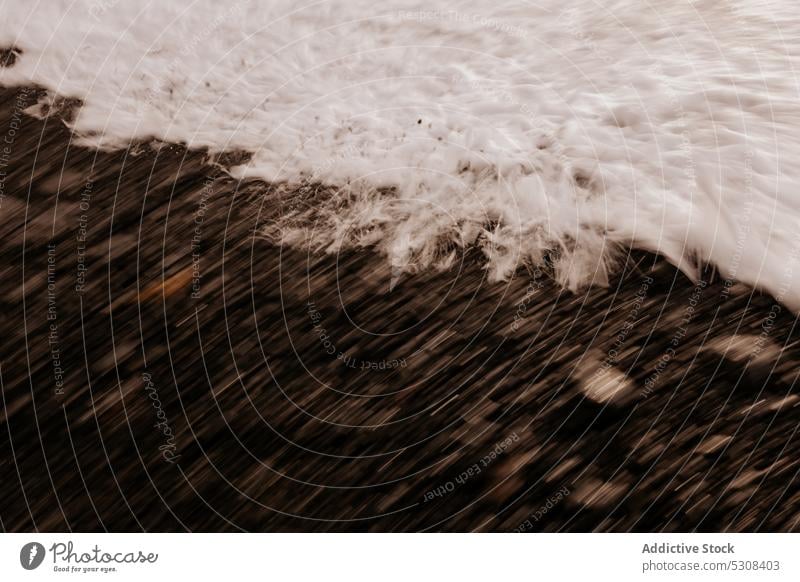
271	432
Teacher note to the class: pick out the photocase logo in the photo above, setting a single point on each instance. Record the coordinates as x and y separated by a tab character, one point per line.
31	555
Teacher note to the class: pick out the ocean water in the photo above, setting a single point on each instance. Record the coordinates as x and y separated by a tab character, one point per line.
548	131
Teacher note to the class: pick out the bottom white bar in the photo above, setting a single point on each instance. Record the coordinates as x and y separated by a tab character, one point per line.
401	557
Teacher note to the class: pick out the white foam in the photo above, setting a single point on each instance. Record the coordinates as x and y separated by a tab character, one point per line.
669	126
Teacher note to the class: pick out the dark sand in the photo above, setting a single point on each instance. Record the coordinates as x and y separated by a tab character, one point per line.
271	433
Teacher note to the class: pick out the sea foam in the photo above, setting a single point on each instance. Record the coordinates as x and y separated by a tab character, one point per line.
537	132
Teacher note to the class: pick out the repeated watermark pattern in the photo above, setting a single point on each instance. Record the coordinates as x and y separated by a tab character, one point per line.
346	359
84	204
478	345
669	354
197	235
168	449
454	16
500	448
551	502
